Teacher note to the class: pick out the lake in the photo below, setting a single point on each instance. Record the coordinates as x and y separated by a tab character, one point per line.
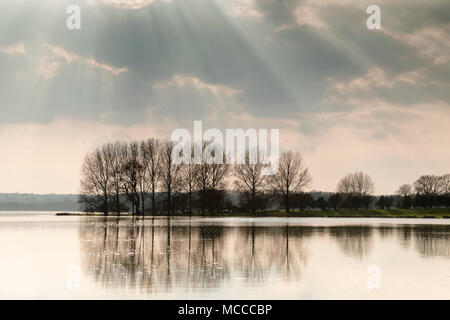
47	257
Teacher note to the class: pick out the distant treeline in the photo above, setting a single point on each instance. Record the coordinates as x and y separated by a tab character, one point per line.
141	178
38	202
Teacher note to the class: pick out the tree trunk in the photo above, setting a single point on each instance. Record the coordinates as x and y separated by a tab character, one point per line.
118	203
190	203
168	203
203	202
137	204
287	202
253	201
105	203
153	200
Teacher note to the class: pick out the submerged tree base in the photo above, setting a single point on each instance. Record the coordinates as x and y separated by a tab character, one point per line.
367	213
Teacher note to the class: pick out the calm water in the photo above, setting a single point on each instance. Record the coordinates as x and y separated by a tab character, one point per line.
44	256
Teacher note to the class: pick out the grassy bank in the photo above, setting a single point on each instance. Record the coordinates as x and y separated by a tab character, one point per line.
371	213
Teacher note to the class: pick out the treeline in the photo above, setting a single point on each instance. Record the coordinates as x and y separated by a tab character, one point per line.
429	191
355	192
141	178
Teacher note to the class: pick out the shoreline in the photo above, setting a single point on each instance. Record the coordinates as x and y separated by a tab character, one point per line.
370	213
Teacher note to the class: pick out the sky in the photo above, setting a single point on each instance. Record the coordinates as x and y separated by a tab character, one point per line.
348	98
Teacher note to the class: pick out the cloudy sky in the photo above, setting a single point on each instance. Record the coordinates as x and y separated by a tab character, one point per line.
347	97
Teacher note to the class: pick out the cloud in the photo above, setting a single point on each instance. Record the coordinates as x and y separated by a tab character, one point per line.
295	13
433	43
377	84
307	14
47	68
17	49
182	81
126	4
188	98
243	8
119	4
49	65
374	78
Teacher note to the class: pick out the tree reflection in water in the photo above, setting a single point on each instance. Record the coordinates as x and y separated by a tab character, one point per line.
355	241
156	254
432	240
159	254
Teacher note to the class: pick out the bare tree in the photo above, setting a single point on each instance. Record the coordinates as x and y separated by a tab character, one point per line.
428	189
358	183
405	191
117	164
187	172
428	185
445	190
250	181
202	178
202	182
292	176
149	174
445	184
187	180
152	165
170	173
96	177
210	175
357	189
131	175
218	172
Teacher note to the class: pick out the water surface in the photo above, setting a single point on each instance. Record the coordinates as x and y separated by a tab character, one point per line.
44	256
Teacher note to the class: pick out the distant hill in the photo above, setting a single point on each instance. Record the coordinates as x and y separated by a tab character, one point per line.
38	202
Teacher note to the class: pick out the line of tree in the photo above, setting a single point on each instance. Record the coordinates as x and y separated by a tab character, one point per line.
355	191
429	191
141	178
